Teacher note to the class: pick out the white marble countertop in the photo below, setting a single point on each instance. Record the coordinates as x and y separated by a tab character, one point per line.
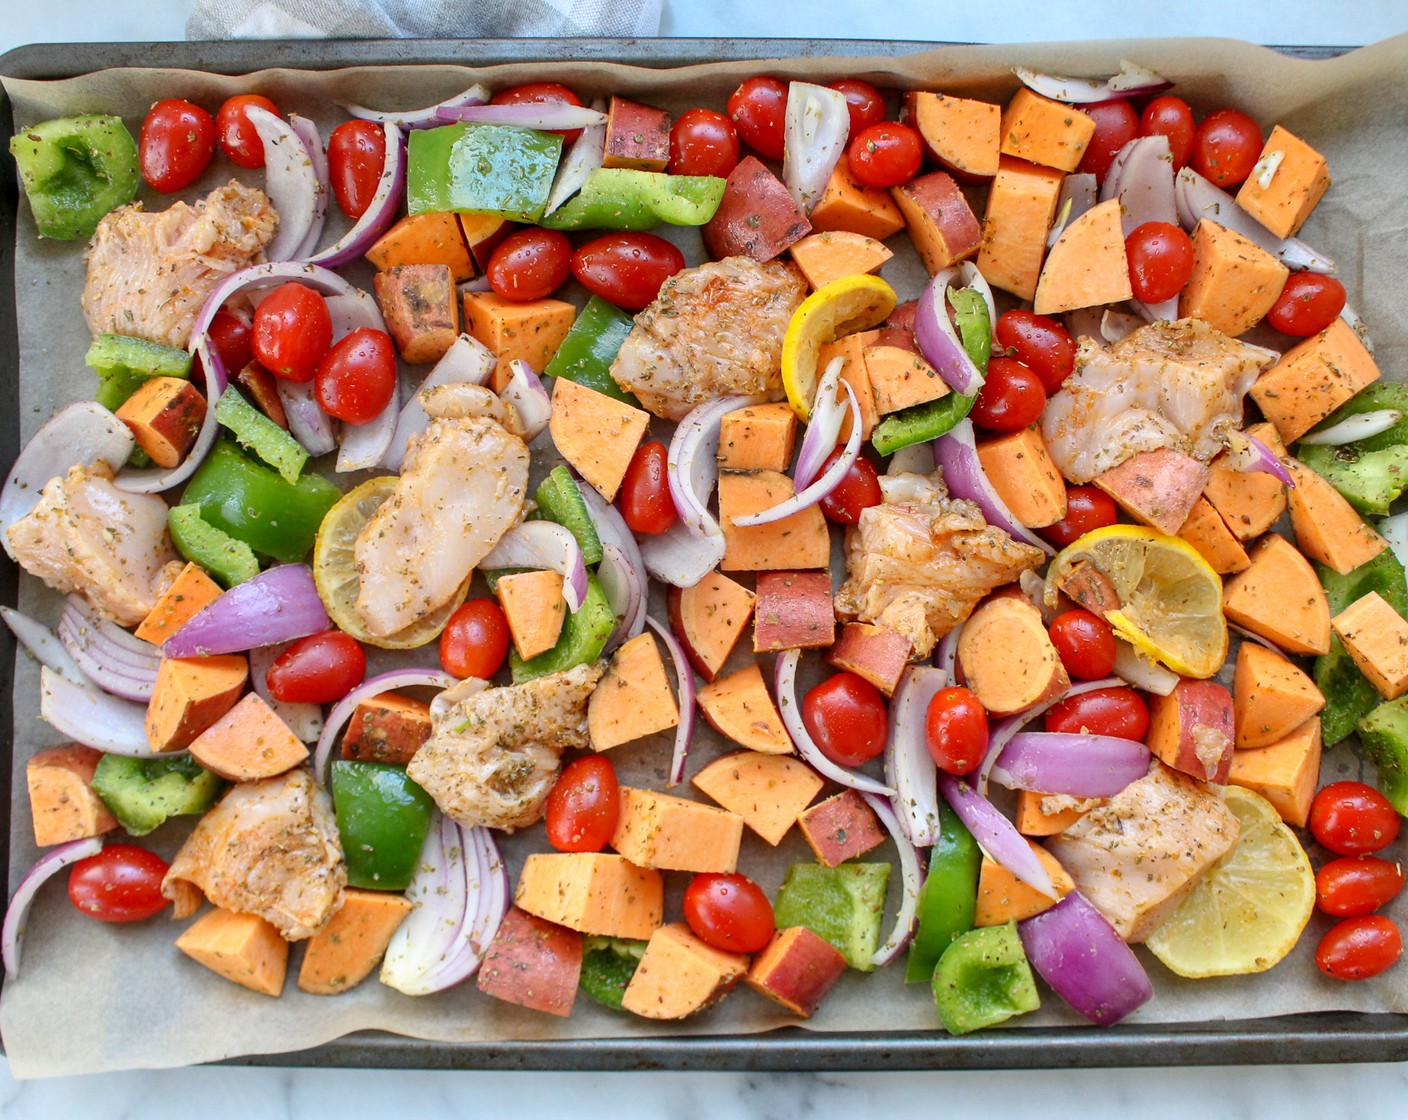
1287	1093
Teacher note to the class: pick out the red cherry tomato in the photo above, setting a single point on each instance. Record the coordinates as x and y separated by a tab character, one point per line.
530	264
885	154
542	93
1116	711
292	332
176	144
1352	886
233	340
1171	117
1011	398
1085	642
846	717
1041	344
356	157
357	378
1086	508
1352	819
646	504
703	142
1116	124
1160	260
758	109
238	138
729	912
859	489
122	883
583	806
319	669
956	727
863	101
1307	304
1359	948
626	269
1226	147
474	642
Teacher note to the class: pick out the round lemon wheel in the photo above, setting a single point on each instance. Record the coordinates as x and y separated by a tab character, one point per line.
1249	909
1170	598
335	570
842	307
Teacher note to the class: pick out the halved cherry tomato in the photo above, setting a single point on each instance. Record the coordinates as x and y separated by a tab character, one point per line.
1226	147
1011	398
1041	344
863	101
885	155
319	669
1116	711
703	142
1087	508
758	109
956	728
357	378
356	157
1085	643
858	490
232	337
1352	819
238	138
176	144
292	332
1359	948
729	912
584	805
1307	304
122	883
847	718
1160	260
530	264
542	93
646	505
626	269
1170	117
1116	124
1352	886
474	642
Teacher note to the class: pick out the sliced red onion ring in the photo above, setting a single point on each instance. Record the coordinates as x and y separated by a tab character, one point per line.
93	718
946	653
546	546
1133	668
679	558
621	571
1034	588
428	937
957	455
1362	426
816	125
585	157
343	709
972	278
117	661
917	458
831	478
685	676
380	212
908	765
467	361
1131	81
828	411
785	678
1143	182
1195	198
1247	635
1078	193
362	446
1115	325
545	115
44	644
307	131
1247	453
1075	950
119	643
912	879
526	393
289	180
304	720
278	605
486	880
1356	324
995	834
45	868
421	118
1074	764
938	341
307	421
114	678
1001	733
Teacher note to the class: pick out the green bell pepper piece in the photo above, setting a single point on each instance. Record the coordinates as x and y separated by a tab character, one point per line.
482	169
590	347
259	434
583	637
948	900
1348	694
143	793
608	963
197	540
1384	736
970	318
842	905
984	979
559	499
75	170
1369	480
123	363
382	817
623	198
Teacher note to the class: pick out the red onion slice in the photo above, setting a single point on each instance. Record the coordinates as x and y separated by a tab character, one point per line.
544	115
995	834
908	765
307	421
1075	950
46	867
1395	530
544	546
679	558
278	605
1131	81
1002	732
685	676
1143	184
380	212
946	653
785	678
911	876
823	425
1133	668
917	458
307	131
831	478
937	340
586	156
1078	194
343	709
1115	325
109	656
487	896
440	891
1356	324
44	644
526	393
467	361
1073	764
420	118
815	127
1195	198
957	455
1361	426
621	571
93	718
1248	454
304	720
972	278
290	181
362	446
121	644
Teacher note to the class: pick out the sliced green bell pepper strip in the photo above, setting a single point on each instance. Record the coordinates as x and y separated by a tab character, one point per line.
590	347
382	817
948	900
984	979
584	635
257	433
75	170
142	793
560	499
623	198
842	905
123	363
608	963
197	540
1348	694
482	169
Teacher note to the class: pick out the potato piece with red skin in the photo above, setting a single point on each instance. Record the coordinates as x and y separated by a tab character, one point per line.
680	975
796	969
637	136
1191	729
387	728
841	828
875	653
1158	488
164	415
941	224
533	963
708	619
63	805
740	707
757	216
421	309
794	610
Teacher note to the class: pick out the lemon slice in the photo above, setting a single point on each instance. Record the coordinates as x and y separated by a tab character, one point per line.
335	570
1249	908
1170	599
842	307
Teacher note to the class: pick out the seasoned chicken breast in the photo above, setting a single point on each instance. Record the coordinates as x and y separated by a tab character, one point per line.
493	754
460	400
150	273
270	848
88	536
712	331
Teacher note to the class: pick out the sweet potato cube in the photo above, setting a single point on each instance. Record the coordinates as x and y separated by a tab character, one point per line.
248	742
633	698
1033	818
190	592
899	377
190	694
1313	378
1250	502
1089	587
941	224
1216	543
1376	636
769	791
428	238
1021	208
854	372
841	828
637	136
1271	697
1296	183
482	234
531	330
62	803
597	434
1002	897
794	610
758	437
421	309
740	707
1191	729
847	204
669	833
535	609
1043	131
1087	266
1022	473
757	216
958	132
343	953
532	963
388	728
243	948
164	415
592	892
1279	598
801	540
1158	488
1285	773
833	254
796	969
1234	283
1328	529
1007	656
709	618
679	975
878	654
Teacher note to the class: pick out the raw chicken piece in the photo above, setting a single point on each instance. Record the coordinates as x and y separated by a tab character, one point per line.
713	330
1176	385
1139	854
493	754
919	562
149	274
269	848
462	399
88	536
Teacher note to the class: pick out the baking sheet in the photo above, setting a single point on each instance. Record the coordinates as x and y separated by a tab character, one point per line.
94	997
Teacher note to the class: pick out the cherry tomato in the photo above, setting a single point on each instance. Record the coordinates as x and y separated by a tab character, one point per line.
1359	948
1226	147
858	489
1041	344
356	157
357	378
1116	711
863	101
846	717
1160	260
729	912
122	883
885	154
292	332
758	109
175	145
474	642
646	504
530	264
1352	819
1087	508
1171	117
1085	642
233	339
956	727
1011	398
238	138
1352	886
542	93
703	142
1307	304
319	669
626	269
583	805
1116	124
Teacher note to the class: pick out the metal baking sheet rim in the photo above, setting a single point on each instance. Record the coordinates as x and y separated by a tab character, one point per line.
1295	1039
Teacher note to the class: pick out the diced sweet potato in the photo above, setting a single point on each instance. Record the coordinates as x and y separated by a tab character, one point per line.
757	216
190	592
1087	266
345	951
847	204
833	254
532	963
428	238
1376	636
841	828
597	434
796	969
1007	657
960	133
262	387
794	610
190	694
680	975
1043	131
1285	773
633	698
1021	207
801	540
1328	529
530	330
1270	696
535	610
637	136
1021	471
1002	897
1158	488
878	654
1279	598
854	373
899	377
388	728
421	309
62	803
1250	502
941	223
482	234
1034	820
243	948
1216	543
164	415
1234	281
592	892
709	618
1297	182
1191	729
1313	378
769	791
1089	587
740	707
757	437
248	742
671	834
